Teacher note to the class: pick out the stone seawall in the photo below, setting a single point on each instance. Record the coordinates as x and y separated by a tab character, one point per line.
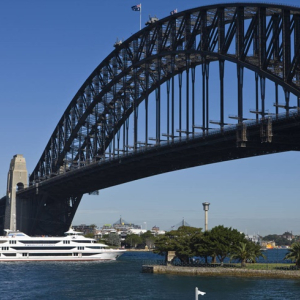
201	271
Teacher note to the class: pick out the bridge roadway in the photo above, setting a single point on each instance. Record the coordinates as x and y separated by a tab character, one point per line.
189	152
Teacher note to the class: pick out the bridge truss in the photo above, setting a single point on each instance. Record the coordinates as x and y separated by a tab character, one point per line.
154	90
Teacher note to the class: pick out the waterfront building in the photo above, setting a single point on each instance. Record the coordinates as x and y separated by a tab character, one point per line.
85	229
122	225
257	239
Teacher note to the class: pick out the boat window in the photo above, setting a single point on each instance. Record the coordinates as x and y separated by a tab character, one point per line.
13	234
50	254
4	248
80	248
41	248
39	242
82	241
3	241
12	242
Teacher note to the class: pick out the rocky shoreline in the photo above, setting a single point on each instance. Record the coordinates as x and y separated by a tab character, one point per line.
236	272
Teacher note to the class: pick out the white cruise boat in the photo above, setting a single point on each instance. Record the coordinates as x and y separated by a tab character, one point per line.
17	246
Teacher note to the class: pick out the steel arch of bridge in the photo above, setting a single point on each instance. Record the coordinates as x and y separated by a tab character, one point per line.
264	38
155	55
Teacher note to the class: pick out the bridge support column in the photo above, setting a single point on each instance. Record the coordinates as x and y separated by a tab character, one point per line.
241	135
17	179
266	131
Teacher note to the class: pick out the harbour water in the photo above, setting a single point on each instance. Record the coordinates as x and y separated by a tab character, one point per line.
122	279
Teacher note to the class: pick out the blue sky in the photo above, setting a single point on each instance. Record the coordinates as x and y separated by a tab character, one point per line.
49	48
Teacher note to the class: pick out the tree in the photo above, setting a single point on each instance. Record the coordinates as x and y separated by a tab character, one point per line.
180	241
220	242
294	254
257	250
133	240
246	251
203	246
93	226
89	235
113	239
148	239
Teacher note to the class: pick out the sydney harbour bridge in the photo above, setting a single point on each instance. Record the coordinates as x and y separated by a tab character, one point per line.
185	91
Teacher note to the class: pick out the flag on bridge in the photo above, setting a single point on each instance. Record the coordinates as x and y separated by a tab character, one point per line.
136	7
173	12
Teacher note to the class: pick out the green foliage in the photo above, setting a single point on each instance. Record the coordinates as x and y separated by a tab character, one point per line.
89	235
179	241
148	239
294	253
133	240
246	251
102	241
146	235
113	239
219	242
94	226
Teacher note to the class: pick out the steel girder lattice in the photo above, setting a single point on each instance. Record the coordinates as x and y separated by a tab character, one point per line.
89	129
264	38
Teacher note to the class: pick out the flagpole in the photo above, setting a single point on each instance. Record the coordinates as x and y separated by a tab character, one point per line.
196	293
140	16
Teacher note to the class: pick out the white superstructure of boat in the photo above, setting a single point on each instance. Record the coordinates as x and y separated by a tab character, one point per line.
17	246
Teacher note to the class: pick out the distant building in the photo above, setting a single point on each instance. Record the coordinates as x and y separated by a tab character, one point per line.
86	229
155	228
155	231
136	231
107	226
254	238
122	225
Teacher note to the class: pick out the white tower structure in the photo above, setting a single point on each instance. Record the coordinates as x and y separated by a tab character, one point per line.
17	179
205	208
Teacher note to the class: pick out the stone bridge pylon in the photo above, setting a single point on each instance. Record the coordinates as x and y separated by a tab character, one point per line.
17	179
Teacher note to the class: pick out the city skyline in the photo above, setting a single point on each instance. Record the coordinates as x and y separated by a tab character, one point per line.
46	55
